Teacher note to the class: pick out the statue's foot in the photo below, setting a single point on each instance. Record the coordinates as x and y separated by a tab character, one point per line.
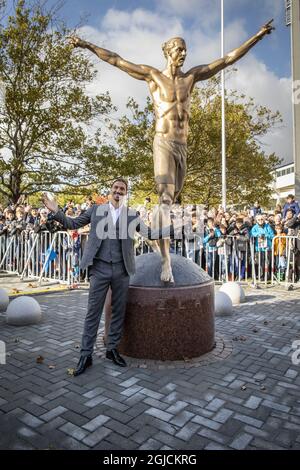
166	273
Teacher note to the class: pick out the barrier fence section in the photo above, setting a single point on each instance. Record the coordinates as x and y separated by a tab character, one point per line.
56	257
42	256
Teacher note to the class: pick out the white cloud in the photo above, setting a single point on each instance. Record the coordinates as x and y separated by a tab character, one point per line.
138	36
255	80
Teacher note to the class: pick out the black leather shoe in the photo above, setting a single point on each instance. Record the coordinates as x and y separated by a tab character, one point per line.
84	363
116	358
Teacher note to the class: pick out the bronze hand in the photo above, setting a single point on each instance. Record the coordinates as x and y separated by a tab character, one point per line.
75	41
267	28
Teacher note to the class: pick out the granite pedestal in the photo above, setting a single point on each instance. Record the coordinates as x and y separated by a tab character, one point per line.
173	321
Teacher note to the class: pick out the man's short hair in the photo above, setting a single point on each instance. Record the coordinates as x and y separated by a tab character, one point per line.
290	210
122	180
290	196
167	46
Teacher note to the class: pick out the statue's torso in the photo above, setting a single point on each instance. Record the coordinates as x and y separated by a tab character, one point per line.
171	98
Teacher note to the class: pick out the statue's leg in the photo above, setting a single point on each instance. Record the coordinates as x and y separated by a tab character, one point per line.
155	224
166	198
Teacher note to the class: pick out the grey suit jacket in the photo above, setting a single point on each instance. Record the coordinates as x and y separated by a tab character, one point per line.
101	227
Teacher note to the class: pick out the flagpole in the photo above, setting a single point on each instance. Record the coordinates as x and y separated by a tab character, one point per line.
223	113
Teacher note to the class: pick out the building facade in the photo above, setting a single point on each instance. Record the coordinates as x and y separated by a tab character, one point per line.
284	183
293	21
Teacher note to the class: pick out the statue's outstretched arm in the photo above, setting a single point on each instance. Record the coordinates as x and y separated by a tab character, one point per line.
140	72
202	72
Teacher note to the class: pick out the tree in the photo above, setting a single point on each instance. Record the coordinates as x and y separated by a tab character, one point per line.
44	109
249	168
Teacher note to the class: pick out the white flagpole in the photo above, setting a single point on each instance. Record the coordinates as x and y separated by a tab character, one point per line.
223	114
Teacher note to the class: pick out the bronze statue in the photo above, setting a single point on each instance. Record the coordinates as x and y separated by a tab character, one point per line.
171	92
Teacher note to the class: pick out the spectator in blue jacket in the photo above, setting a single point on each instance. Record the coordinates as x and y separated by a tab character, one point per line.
291	204
263	235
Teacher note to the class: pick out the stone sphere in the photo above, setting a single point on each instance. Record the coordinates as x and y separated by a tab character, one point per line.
234	291
223	304
22	311
4	300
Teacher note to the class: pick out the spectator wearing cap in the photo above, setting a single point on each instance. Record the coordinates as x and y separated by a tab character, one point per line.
291	204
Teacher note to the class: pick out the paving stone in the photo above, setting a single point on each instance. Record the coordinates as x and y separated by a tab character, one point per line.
241	441
57	411
223	415
120	428
74	431
151	444
182	418
249	420
95	437
30	420
159	414
188	431
187	409
215	404
206	422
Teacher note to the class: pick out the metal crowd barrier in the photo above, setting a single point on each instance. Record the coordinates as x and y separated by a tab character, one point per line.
56	257
42	256
285	260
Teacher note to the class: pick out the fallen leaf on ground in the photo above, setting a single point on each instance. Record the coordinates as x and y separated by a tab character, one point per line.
70	371
34	286
266	322
77	346
52	367
244	387
263	387
40	359
239	338
255	330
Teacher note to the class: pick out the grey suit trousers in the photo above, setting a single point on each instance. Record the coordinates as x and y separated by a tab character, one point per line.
102	275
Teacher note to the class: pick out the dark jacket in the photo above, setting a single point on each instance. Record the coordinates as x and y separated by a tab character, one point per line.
294	205
242	237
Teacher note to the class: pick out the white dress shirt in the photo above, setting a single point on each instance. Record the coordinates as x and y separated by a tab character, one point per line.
115	212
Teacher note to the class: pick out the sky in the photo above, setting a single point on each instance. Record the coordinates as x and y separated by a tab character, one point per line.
136	29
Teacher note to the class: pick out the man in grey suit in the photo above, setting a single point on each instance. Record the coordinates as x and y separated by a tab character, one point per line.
109	256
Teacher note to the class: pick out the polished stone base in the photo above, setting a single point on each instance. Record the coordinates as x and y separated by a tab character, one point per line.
173	322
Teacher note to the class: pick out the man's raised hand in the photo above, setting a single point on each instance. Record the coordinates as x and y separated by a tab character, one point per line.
50	203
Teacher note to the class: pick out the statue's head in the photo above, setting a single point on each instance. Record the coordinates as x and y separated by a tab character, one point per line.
175	51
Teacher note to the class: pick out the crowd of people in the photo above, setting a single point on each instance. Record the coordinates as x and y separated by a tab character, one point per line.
222	247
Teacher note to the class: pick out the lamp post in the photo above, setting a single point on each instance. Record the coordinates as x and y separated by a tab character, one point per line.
223	113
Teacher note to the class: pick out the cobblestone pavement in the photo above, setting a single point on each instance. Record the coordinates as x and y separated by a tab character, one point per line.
249	400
